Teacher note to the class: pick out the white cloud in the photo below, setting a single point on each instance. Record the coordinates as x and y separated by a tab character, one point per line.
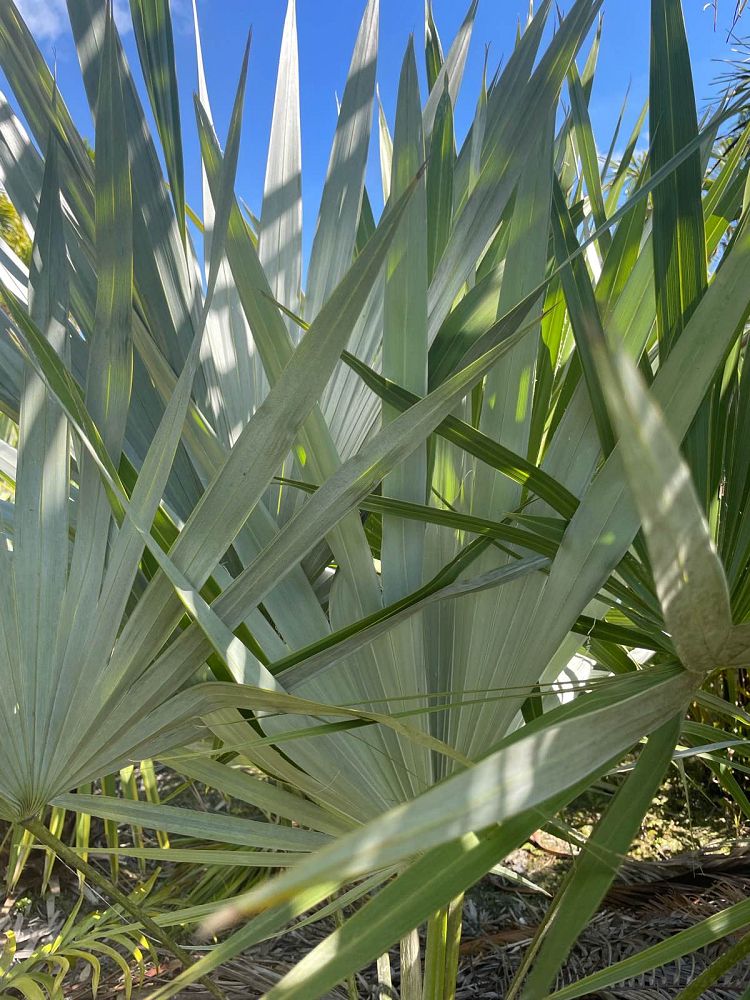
182	16
47	20
122	17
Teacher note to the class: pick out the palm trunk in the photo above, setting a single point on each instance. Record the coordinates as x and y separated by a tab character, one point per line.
411	968
385	980
441	958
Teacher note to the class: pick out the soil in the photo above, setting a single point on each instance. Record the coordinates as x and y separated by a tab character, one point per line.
677	873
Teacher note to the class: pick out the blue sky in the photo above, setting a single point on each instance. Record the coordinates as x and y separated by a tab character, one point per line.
327	29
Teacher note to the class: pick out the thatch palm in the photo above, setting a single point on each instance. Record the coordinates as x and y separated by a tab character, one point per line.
410	691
